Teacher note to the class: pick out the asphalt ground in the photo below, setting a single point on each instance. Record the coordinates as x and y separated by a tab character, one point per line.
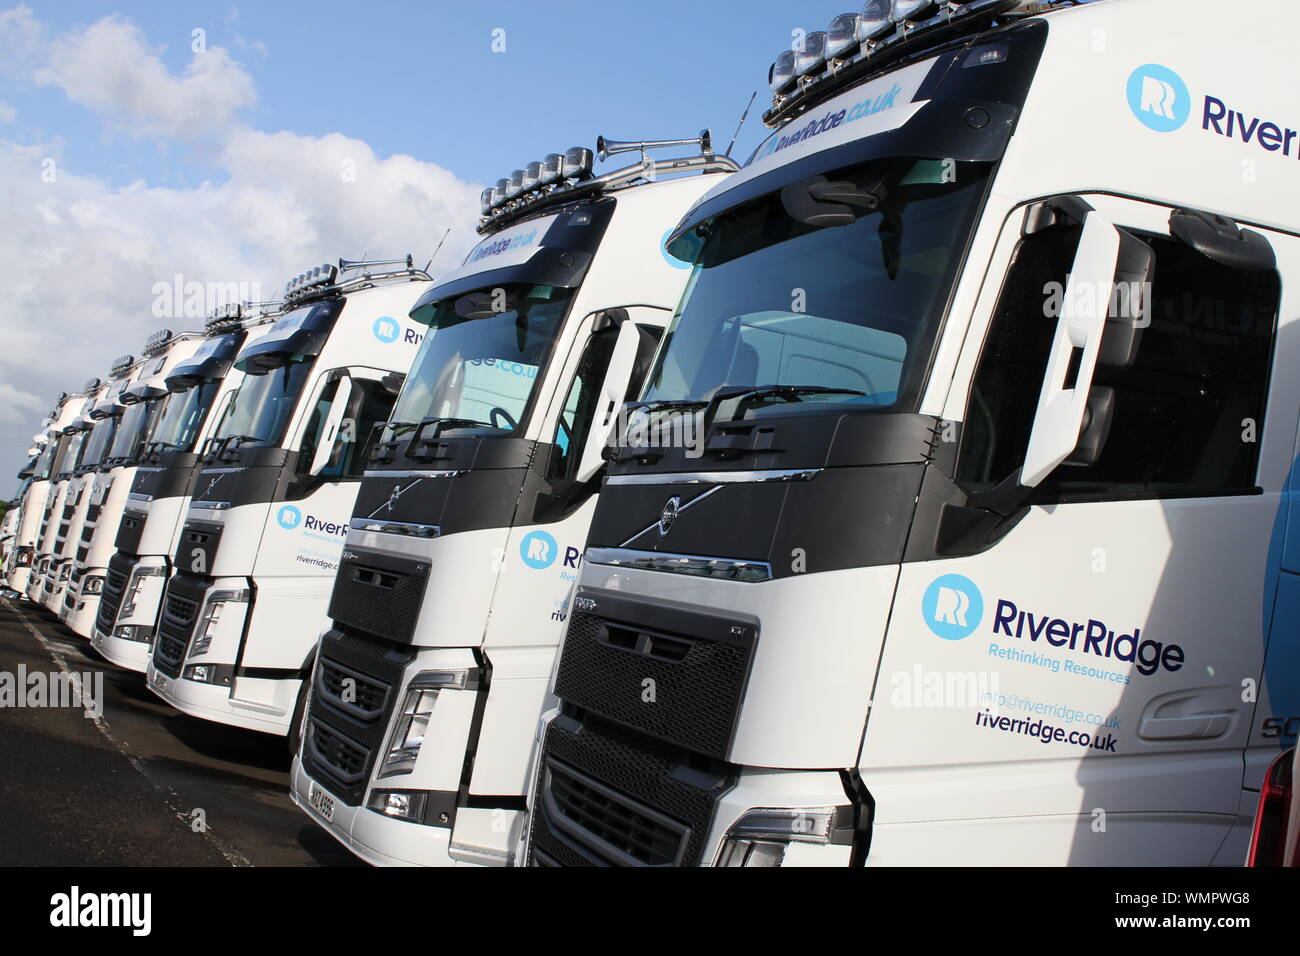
140	784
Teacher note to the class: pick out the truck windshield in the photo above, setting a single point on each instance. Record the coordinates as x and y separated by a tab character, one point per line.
832	287
177	425
100	440
480	361
261	407
68	458
130	433
49	454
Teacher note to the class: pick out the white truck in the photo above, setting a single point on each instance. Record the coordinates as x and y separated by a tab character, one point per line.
49	485
465	540
269	511
989	342
25	516
83	453
199	389
111	484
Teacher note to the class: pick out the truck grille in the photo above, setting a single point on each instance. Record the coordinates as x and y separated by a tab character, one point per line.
343	739
116	578
92	514
699	680
583	814
176	625
379	593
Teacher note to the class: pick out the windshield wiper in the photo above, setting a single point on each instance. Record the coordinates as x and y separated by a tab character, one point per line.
733	400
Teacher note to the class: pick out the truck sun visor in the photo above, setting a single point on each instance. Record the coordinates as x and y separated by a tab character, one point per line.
302	332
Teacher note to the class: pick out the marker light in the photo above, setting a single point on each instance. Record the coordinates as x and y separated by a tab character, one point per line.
516	184
910	9
813	55
532	176
577	163
552	169
842	36
876	20
780	75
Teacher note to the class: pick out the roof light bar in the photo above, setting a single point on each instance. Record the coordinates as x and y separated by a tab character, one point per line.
552	179
884	31
92	384
313	281
121	364
156	341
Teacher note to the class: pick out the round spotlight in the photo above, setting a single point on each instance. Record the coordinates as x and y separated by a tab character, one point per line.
812	57
516	184
780	75
910	9
876	20
577	163
842	36
552	169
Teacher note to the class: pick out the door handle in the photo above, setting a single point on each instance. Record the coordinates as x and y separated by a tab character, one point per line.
1185	727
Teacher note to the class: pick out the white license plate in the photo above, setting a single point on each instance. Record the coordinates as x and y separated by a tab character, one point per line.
321	801
159	682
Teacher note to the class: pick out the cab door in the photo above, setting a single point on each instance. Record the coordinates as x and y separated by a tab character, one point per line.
1065	663
301	546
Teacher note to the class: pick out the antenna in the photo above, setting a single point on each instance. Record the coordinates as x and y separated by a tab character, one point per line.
435	251
743	117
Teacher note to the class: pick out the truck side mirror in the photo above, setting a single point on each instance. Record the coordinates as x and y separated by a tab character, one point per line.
329	430
613	389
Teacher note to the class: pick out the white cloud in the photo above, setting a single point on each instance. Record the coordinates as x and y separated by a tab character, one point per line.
110	68
84	255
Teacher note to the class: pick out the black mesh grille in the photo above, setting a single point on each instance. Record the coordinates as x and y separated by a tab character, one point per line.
698	682
83	552
583	814
379	594
176	623
68	512
115	581
92	513
344	738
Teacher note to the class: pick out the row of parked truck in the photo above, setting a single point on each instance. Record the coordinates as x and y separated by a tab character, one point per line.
918	492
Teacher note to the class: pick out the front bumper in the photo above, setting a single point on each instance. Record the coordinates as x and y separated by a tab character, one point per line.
128	654
214	702
79	608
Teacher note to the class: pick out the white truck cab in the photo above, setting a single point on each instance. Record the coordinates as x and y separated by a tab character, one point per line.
30	504
269	511
105	418
991	341
465	541
111	484
199	387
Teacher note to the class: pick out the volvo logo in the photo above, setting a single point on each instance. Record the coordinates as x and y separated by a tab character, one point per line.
672	508
392	498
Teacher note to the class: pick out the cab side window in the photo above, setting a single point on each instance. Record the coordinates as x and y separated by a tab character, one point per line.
580	406
1188	410
369	405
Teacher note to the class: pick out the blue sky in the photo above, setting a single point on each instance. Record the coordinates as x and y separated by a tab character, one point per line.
422	78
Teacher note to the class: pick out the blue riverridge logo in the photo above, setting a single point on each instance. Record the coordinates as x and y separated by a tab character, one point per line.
386	329
289	517
1159	98
952	606
538	550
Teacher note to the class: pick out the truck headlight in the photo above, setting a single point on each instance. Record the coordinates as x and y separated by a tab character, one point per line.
207	626
138	577
413	719
134	632
402	804
761	837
